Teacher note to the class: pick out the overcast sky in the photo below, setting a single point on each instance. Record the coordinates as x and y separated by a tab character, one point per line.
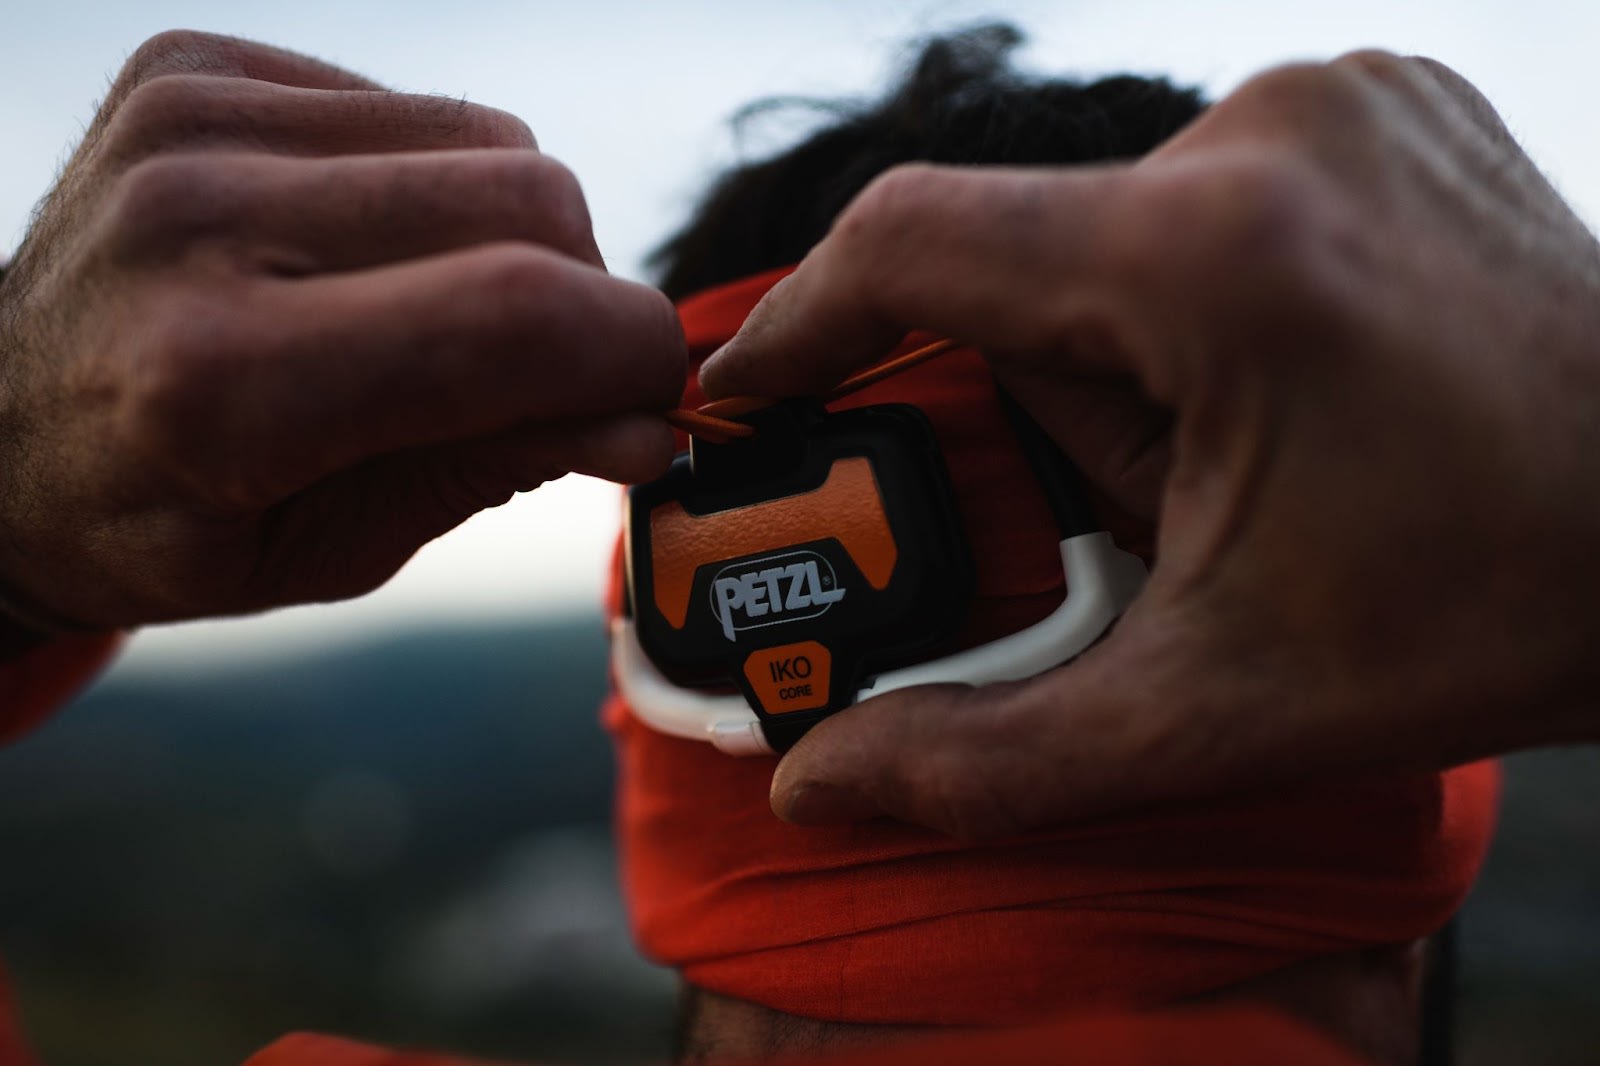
634	97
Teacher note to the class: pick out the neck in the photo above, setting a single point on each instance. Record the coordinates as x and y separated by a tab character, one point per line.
1367	1000
717	1028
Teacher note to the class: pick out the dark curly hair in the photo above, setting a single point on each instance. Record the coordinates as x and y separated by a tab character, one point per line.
961	102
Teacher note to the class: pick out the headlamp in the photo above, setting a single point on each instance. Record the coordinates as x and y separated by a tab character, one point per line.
774	580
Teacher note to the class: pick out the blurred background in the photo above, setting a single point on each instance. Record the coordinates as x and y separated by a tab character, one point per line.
389	818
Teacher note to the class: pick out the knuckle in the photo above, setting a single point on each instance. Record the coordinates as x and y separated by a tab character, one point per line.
967	783
931	789
1263	208
1377	64
964	803
561	194
161	110
543	191
522	292
178	417
1433	76
1452	82
164	203
1267	219
172	378
464	123
876	234
1409	78
511	273
1324	94
181	51
515	293
892	203
1276	225
502	128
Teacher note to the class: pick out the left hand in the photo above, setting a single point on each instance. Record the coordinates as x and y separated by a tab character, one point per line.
277	327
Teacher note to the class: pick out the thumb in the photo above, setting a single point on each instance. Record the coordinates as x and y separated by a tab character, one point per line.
1111	730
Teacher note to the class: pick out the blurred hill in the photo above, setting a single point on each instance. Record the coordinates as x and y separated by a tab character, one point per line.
408	841
1530	974
196	865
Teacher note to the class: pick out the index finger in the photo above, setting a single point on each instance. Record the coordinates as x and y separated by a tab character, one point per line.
1003	259
296	380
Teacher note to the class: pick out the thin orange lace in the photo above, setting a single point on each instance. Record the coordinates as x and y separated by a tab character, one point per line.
713	422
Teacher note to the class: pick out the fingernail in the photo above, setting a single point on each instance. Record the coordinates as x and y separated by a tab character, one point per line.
820	804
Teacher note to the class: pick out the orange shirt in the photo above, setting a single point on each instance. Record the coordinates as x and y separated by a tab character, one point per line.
45	678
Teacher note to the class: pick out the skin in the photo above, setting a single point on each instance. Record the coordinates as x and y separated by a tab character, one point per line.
1338	339
277	327
1370	1001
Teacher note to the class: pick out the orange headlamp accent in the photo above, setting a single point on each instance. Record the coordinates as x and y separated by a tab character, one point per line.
848	506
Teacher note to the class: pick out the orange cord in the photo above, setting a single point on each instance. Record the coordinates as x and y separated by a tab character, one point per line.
713	421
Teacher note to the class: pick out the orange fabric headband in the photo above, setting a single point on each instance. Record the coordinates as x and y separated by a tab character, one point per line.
887	923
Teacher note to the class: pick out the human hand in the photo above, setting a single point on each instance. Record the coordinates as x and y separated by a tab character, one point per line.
1339	338
278	327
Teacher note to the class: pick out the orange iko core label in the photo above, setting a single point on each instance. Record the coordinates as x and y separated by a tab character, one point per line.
791	677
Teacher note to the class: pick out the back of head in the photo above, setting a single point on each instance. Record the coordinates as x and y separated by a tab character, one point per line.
961	102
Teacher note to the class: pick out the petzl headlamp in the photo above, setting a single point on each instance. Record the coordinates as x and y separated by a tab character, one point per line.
774	580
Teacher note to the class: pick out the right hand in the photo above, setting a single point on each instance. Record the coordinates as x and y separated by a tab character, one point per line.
277	327
1341	340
